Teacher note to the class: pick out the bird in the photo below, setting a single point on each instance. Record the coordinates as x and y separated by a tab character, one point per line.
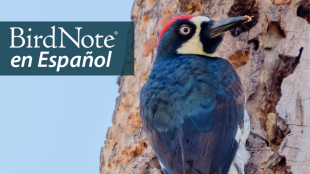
192	106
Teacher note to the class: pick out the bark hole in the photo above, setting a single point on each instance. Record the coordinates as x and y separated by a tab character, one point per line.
290	63
303	10
190	7
240	58
242	8
276	164
255	42
275	126
144	20
273	35
275	28
282	2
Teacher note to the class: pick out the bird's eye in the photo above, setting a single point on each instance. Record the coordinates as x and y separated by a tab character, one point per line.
185	29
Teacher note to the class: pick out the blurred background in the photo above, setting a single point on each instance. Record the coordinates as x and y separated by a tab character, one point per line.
56	124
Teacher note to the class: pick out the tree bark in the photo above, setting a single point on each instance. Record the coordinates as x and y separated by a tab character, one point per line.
270	54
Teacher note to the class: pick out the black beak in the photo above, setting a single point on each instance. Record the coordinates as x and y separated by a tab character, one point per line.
220	26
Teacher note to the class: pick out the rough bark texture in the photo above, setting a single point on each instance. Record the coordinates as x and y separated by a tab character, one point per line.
271	56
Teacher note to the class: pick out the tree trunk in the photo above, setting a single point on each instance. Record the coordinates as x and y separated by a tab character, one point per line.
270	55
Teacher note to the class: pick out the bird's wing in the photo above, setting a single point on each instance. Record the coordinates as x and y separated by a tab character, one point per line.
195	151
205	142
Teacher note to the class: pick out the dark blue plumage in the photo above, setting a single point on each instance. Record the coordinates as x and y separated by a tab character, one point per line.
191	107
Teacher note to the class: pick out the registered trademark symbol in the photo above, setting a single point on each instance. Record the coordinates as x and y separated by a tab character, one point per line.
116	32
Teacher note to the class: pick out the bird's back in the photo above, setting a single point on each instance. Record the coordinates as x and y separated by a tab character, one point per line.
191	108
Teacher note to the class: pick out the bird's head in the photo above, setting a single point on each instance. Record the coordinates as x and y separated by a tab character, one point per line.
198	35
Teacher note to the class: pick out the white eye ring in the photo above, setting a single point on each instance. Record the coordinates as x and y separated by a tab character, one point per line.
185	29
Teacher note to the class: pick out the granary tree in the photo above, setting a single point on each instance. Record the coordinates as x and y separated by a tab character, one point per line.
270	55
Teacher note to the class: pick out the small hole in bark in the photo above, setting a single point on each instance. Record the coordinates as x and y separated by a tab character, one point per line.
242	8
282	2
190	7
240	58
148	46
303	10
144	20
166	16
285	58
268	48
164	20
276	127
255	43
290	63
275	27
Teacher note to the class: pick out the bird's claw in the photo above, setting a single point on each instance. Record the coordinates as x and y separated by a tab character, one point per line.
255	134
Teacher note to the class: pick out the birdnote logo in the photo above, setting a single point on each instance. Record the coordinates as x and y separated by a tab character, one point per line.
66	48
60	61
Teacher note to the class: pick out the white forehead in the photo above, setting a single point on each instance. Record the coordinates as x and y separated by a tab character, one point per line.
199	19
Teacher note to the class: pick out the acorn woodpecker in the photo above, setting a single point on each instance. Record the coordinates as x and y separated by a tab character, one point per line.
192	106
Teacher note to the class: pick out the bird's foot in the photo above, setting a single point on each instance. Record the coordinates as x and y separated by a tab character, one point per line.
255	134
